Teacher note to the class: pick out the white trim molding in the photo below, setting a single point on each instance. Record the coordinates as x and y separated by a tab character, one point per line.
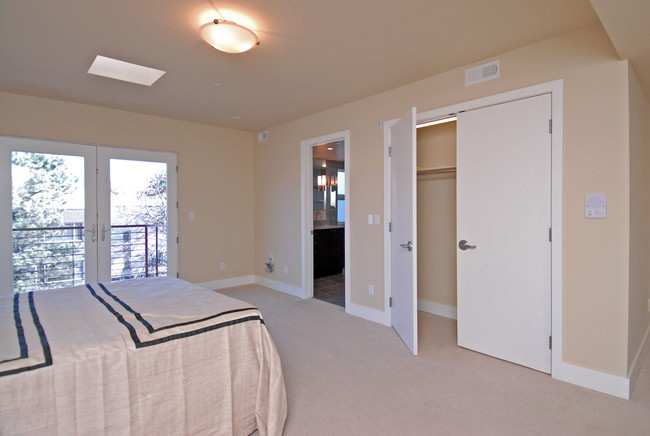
306	210
228	283
367	313
437	309
594	380
638	359
282	287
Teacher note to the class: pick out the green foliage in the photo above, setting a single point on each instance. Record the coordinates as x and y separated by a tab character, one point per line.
40	201
42	259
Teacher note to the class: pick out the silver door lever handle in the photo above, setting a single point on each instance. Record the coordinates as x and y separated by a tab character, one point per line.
464	245
93	232
408	245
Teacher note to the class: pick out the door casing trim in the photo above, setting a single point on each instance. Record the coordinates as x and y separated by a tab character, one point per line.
307	200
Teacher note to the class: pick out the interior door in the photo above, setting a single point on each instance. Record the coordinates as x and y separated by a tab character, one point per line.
47	223
503	228
404	229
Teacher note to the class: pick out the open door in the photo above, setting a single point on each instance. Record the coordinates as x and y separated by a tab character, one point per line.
404	229
503	230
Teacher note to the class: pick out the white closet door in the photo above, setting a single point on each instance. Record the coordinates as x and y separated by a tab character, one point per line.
504	210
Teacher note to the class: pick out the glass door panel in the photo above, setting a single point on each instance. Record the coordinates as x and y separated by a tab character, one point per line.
48	223
137	210
138	219
72	214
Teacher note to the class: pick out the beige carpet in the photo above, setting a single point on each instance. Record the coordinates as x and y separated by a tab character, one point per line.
348	376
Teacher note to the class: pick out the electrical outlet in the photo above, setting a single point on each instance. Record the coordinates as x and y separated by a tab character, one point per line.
371	289
222	266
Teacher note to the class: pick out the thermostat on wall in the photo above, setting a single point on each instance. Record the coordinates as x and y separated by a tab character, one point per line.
596	206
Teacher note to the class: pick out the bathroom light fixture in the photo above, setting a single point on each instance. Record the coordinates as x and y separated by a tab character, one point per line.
228	36
321	181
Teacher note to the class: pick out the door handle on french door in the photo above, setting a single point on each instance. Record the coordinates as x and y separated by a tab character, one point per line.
104	232
93	232
408	245
464	245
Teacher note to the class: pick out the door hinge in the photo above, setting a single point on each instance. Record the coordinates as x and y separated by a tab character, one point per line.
177	275
550	126
390	227
550	342
176	169
96	170
390	301
550	234
177	205
390	151
177	239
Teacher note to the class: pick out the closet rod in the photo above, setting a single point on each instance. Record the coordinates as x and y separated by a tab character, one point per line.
436	170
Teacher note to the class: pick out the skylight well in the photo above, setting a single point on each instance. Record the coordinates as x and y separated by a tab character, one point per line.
128	72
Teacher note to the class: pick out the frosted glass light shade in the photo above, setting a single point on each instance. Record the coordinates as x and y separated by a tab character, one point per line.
228	36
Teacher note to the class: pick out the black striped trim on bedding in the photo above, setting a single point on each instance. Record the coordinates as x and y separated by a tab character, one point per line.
22	342
140	343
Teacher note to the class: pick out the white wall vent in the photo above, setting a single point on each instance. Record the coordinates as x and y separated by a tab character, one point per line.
263	136
482	73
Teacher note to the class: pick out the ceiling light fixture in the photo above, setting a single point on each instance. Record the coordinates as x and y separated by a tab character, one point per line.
228	36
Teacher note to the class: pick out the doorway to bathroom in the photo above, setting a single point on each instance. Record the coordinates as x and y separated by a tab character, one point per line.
326	199
329	222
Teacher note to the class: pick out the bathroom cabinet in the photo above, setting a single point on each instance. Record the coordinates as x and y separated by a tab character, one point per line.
329	251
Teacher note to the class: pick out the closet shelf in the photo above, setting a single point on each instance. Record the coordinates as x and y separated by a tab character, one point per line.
438	170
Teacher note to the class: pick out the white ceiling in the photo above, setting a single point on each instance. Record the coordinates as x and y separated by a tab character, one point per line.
314	54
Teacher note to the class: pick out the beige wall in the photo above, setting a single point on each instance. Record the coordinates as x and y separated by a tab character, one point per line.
436	148
215	178
639	318
596	159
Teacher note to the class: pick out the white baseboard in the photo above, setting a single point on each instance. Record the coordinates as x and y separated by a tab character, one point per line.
282	287
638	359
228	283
368	313
594	380
437	309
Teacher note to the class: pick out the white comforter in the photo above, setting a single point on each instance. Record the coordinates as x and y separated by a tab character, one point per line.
153	356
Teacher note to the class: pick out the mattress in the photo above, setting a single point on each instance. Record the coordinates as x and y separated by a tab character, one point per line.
145	356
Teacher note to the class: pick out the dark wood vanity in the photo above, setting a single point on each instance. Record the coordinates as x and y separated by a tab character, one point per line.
329	250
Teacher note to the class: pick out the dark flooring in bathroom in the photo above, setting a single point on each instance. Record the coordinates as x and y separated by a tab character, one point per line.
330	289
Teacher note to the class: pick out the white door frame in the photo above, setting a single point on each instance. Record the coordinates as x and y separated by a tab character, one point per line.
556	89
307	215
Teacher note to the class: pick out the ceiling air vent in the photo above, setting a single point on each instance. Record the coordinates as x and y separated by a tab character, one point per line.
263	136
482	73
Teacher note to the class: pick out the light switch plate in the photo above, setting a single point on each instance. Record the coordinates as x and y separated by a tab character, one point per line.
596	206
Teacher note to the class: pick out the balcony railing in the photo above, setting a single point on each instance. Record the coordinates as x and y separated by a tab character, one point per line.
54	257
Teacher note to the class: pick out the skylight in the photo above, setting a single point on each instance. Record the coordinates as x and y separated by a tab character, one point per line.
128	72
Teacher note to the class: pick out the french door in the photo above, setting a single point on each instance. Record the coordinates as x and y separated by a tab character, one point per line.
74	214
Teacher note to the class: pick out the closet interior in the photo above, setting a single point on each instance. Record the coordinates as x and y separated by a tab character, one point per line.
436	218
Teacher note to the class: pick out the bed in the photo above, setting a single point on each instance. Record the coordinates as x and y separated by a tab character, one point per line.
146	356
